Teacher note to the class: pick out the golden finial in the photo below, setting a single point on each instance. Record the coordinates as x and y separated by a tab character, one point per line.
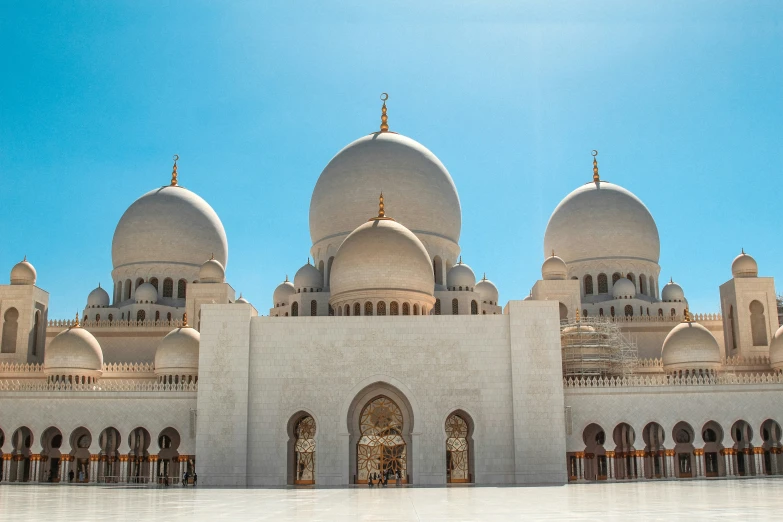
687	315
381	211
460	260
553	252
185	320
77	325
596	179
577	315
384	118
286	278
174	171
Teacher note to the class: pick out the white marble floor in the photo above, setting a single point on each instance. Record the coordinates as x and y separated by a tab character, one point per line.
692	500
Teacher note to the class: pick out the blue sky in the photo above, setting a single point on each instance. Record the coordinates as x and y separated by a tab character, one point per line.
684	101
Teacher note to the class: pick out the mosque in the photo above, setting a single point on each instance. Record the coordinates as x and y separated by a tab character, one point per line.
387	353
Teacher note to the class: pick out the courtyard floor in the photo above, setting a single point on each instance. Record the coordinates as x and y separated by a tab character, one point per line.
693	500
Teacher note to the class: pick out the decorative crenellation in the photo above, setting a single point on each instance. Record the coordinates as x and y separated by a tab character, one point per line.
698	318
105	323
636	381
102	386
143	367
649	363
11	367
738	360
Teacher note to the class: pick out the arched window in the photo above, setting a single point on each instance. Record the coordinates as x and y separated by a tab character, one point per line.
295	309
331	311
600	312
758	324
632	278
563	312
128	289
395	308
731	328
437	270
642	284
347	310
406	309
182	287
139	282
140	315
111	317
154	282
628	311
381	308
588	285
603	284
168	317
10	329
117	292
454	307
415	309
168	287
329	271
653	291
368	308
457	448
611	311
674	312
157	316
660	312
615	277
313	307
473	307
304	450
437	306
584	312
36	327
357	309
641	311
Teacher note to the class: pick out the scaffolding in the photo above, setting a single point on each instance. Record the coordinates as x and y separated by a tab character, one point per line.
594	347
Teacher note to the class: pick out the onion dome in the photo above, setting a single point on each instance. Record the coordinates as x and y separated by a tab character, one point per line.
242	300
98	298
744	266
487	290
308	278
382	259
672	293
146	293
74	351
601	220
23	273
282	292
169	225
461	277
554	268
690	346
624	289
212	272
776	350
177	352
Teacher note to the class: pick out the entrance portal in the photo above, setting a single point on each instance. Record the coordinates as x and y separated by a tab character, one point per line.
381	448
304	451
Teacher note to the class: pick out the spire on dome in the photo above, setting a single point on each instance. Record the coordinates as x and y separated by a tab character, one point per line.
485	277
381	211
174	171
185	320
384	118
596	178
286	278
687	314
77	325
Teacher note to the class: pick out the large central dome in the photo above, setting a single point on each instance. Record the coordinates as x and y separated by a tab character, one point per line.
602	220
413	180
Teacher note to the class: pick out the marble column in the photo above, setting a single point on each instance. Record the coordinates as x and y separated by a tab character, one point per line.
64	461
153	464
773	458
699	454
670	471
610	465
123	468
759	454
35	461
639	460
579	463
94	468
7	467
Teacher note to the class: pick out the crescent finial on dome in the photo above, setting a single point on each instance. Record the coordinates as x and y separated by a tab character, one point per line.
381	211
77	325
596	178
687	314
174	171
185	320
384	117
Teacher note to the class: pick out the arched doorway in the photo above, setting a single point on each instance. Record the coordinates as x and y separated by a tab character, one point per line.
684	465
712	435
51	441
742	434
595	463
625	461
109	468
168	456
459	451
138	456
381	449
301	454
654	436
771	434
80	454
22	442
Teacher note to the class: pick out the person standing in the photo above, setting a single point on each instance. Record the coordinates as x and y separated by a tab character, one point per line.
195	478
185	479
399	477
70	476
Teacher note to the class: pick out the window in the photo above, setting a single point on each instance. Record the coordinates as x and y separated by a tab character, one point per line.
437	307
347	310
395	308
357	309
642	285
157	316
10	329
588	285
611	311
758	324
600	312
632	278
731	328
154	282
36	327
615	277
295	309
660	312
641	311
111	317
603	284
168	317
584	312
313	307
674	312
473	308
128	289
182	287
139	282
406	309
652	290
454	307
331	311
381	308
140	315
628	311
368	308
415	309
168	287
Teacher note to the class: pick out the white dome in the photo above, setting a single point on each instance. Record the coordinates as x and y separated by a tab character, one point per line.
776	350
308	277
23	273
672	293
212	272
169	225
242	300
146	293
74	351
690	346
602	220
554	268
98	298
177	353
461	276
487	290
623	288
282	292
744	266
414	182
382	255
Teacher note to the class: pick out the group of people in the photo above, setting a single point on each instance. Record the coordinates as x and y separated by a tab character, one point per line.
186	476
382	479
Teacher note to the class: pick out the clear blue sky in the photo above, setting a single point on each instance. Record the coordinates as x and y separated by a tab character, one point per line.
684	101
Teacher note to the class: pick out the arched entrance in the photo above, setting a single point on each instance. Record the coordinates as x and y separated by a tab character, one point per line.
653	436
712	435
625	461
51	441
684	465
381	449
459	451
595	463
20	466
168	456
742	434
301	443
138	456
80	454
109	467
771	434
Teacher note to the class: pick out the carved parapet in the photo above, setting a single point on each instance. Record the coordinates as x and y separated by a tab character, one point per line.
101	386
645	380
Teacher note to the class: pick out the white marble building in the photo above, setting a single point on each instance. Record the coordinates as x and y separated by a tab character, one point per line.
386	355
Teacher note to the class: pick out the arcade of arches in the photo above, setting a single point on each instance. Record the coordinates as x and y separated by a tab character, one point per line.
681	452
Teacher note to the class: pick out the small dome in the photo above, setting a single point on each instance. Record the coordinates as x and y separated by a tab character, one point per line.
461	276
242	300
623	288
776	350
487	290
554	269
282	292
98	298
308	277
23	273
74	351
528	298
672	293
690	346
146	293
212	272
744	266
177	353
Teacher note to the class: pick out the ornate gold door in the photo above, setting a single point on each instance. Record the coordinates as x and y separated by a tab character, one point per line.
457	464
304	451
381	447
